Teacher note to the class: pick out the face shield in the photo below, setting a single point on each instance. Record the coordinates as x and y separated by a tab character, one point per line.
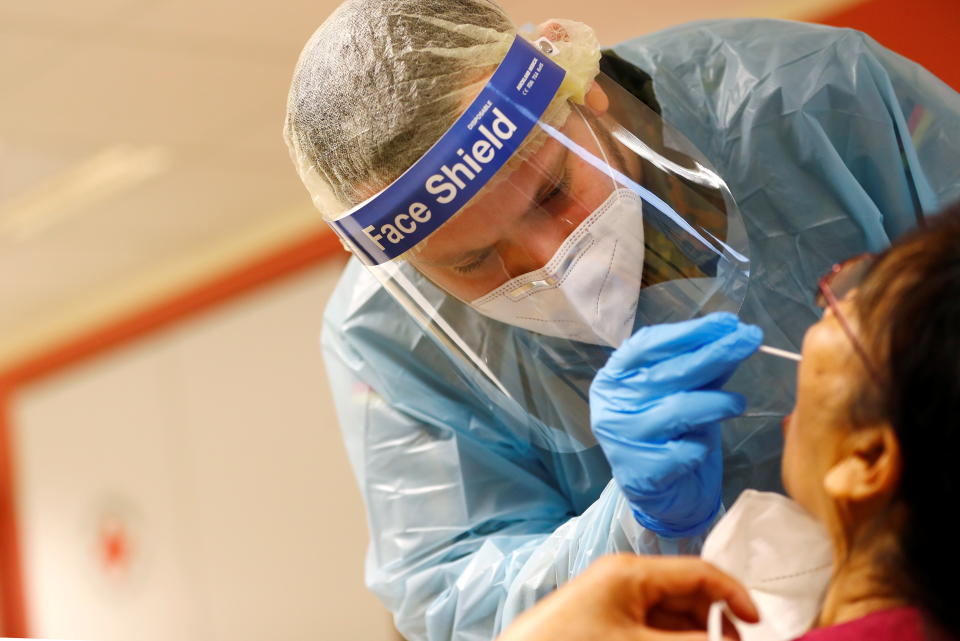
556	216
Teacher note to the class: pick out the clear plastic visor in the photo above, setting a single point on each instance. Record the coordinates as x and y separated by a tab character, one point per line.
612	190
599	224
598	185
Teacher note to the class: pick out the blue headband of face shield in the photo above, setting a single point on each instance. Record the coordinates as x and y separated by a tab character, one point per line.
465	158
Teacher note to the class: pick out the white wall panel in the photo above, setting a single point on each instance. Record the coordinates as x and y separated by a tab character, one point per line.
215	448
93	447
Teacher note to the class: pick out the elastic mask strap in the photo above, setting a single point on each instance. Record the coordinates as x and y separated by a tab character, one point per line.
715	620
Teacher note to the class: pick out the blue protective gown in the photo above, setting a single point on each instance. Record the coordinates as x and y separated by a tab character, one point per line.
831	145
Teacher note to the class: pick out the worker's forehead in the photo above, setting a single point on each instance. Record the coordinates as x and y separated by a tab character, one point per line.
506	198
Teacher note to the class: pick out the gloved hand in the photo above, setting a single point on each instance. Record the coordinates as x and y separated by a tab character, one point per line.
656	407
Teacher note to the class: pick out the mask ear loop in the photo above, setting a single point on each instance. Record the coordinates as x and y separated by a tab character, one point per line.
715	616
715	620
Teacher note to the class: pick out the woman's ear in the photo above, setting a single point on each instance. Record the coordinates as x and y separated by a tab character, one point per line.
869	467
597	100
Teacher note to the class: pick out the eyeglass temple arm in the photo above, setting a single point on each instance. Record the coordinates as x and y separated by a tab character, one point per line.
835	306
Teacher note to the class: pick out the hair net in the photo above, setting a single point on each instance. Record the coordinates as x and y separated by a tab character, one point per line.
380	82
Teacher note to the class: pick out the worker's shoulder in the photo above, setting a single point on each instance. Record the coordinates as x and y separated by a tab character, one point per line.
355	288
361	315
708	75
356	299
753	42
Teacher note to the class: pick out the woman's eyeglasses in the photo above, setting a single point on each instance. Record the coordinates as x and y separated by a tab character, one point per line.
838	282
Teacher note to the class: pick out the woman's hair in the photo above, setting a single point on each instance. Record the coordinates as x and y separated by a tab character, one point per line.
908	309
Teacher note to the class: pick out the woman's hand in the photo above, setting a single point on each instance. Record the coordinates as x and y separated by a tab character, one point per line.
633	598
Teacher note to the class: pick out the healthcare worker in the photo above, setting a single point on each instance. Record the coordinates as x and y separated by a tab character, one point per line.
518	205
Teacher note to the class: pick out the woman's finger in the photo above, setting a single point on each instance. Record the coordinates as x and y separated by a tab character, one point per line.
675	577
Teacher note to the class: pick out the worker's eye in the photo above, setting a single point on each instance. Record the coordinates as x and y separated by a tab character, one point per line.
556	196
475	263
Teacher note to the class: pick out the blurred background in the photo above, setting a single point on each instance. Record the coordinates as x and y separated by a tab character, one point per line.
170	463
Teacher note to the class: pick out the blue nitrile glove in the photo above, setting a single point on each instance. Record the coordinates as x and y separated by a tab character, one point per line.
656	408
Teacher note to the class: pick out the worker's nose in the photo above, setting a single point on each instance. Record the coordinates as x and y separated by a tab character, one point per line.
533	246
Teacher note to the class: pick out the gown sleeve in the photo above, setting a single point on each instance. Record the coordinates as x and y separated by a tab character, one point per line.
469	524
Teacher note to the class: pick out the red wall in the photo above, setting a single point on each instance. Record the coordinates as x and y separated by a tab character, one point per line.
922	30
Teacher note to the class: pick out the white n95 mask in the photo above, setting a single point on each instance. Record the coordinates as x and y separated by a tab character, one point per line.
781	554
588	290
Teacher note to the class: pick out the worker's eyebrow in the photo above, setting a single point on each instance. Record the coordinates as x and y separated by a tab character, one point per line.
550	180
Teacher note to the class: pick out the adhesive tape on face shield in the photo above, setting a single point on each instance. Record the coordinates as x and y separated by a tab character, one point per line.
588	290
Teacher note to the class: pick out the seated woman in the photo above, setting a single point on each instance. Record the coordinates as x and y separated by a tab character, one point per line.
870	451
